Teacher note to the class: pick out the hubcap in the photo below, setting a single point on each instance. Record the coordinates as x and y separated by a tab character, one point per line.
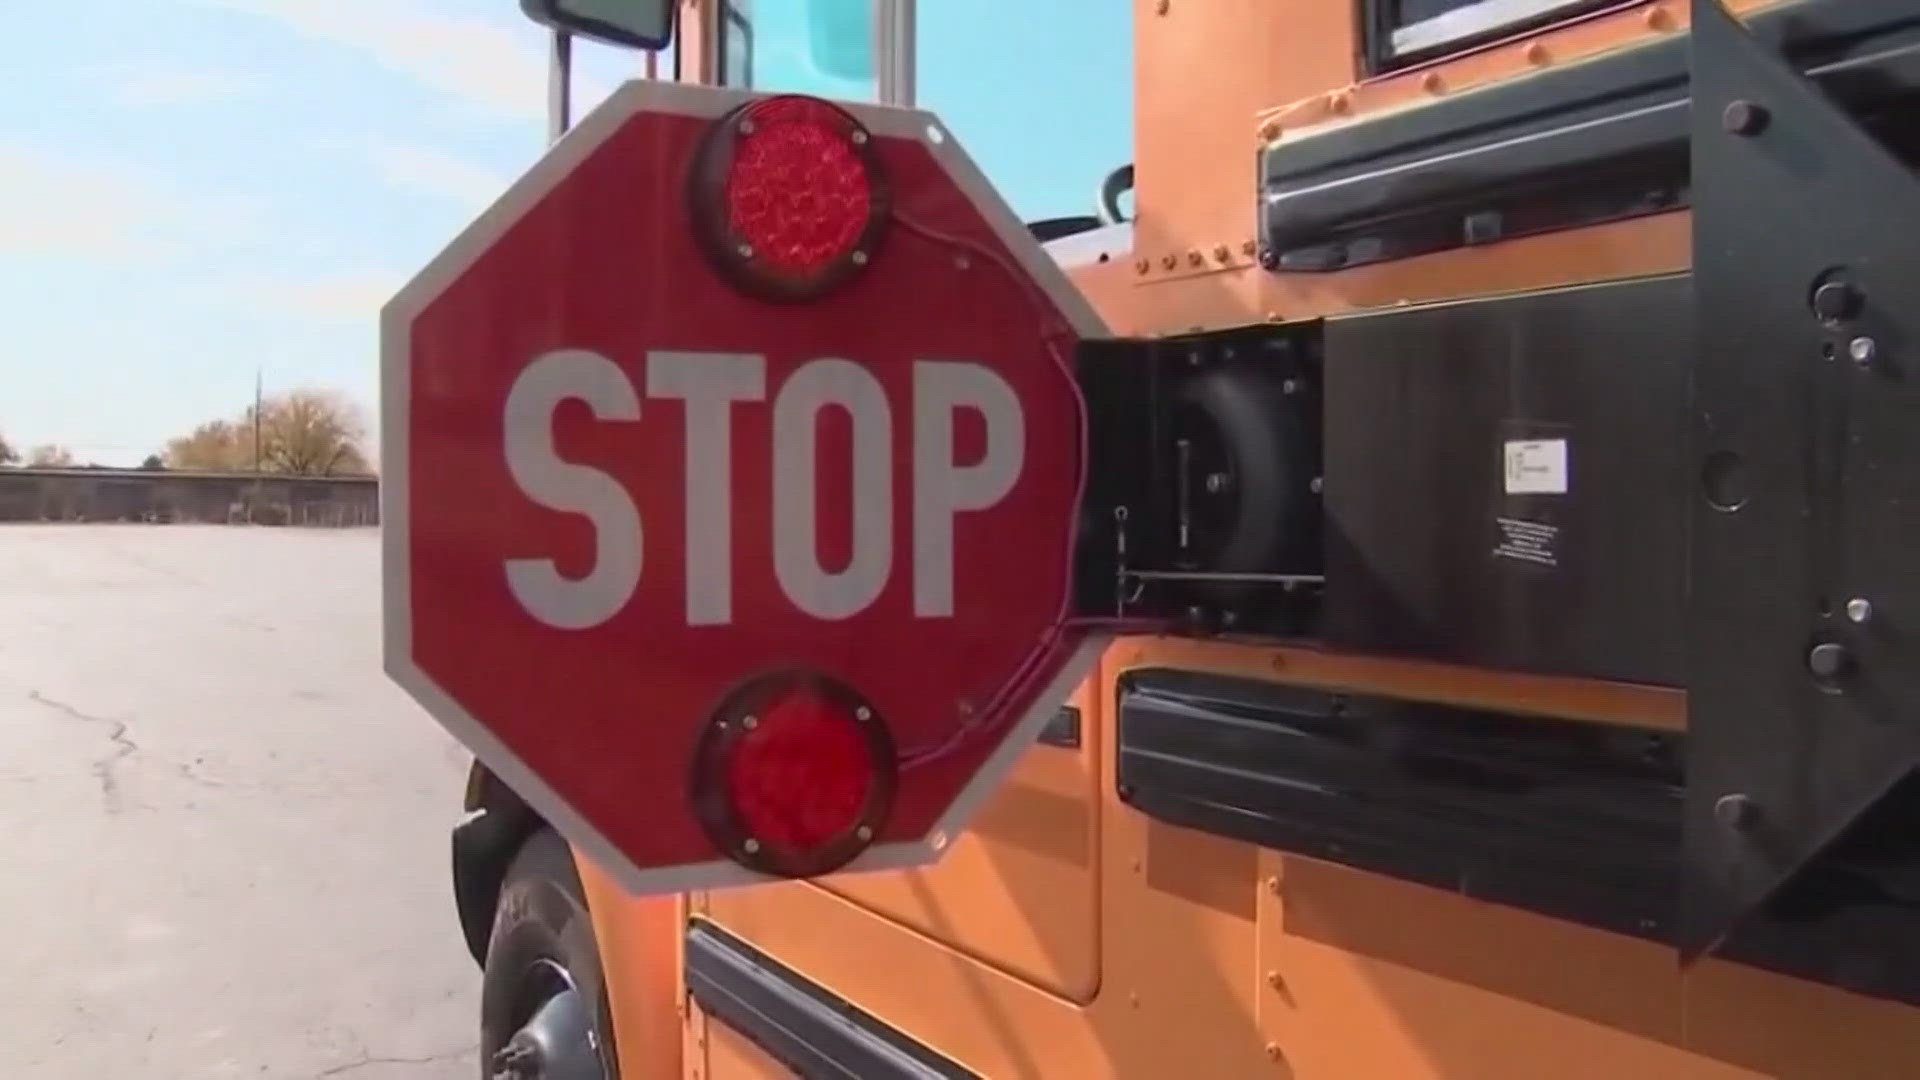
557	1041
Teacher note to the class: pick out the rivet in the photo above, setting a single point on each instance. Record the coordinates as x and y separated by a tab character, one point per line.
1222	252
1273	885
965	707
1537	54
1273	1050
1289	386
961	262
750	845
1169	261
1269	132
1273	316
1194	258
1162	7
1432	83
864	832
1218	482
859	257
1736	811
1133	1001
746	127
1141	266
749	721
1863	350
862	713
1316	484
938	840
1338	102
1657	18
1248	247
1273	979
1859	609
1744	118
1136	866
859	137
745	250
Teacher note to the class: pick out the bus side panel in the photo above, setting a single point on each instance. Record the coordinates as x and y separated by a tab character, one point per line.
640	945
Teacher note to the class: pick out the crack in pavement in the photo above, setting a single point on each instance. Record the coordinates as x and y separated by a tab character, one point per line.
367	1061
123	746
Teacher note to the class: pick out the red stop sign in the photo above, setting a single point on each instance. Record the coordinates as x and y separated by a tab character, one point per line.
702	571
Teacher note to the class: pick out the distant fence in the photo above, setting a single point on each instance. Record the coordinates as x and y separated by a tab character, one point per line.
158	496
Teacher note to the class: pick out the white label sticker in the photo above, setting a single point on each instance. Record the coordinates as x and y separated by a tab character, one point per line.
1536	467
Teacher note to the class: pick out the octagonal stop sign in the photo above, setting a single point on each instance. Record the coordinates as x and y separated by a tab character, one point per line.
732	468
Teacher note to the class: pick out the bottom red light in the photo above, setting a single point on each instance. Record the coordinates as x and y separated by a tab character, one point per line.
794	775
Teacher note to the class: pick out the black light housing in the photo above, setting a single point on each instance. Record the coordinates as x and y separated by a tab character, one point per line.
632	24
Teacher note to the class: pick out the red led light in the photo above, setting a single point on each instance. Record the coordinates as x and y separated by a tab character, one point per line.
789	197
800	776
794	775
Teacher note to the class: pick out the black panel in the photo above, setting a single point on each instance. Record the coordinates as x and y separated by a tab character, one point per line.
1427	552
1202	501
1569	146
812	1031
1577	821
1573	820
1805	620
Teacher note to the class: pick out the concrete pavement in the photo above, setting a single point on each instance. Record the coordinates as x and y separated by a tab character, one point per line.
223	833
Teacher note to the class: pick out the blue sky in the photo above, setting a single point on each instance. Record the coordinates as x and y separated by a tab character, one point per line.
193	189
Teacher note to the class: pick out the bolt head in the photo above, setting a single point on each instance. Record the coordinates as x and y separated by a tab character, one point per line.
750	845
862	713
1744	118
745	127
745	250
1859	609
1836	300
1736	811
1863	350
859	257
1218	482
864	832
1828	660
858	137
749	722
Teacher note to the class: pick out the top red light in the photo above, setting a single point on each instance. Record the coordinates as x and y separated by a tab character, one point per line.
791	197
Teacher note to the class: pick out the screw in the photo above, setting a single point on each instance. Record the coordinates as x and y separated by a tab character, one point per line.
864	832
1859	609
750	845
1828	660
1736	811
1836	300
1863	350
749	722
1744	118
859	257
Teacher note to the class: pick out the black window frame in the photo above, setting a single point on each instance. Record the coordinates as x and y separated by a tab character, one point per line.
1377	30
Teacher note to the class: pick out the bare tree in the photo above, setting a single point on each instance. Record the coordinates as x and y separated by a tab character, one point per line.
303	433
50	456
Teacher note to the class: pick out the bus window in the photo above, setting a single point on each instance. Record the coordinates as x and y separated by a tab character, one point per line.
819	47
1401	32
1039	94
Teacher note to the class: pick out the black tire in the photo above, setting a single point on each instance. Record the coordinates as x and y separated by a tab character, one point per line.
540	922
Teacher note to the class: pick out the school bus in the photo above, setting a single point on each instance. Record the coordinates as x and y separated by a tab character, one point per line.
1533	694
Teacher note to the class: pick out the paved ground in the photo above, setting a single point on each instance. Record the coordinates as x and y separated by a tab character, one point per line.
223	833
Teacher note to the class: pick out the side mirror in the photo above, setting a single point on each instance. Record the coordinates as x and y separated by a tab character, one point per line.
634	24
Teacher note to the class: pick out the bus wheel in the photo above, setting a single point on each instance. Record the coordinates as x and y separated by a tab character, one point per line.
543	1000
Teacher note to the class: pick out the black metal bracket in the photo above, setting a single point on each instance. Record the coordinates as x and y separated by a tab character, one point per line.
1804	624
